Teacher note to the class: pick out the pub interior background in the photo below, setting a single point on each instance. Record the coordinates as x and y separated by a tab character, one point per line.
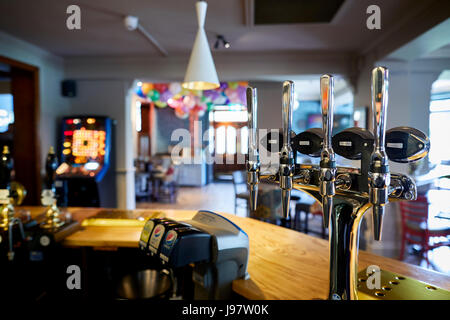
104	69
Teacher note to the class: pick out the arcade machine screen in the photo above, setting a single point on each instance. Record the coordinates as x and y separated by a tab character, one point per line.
85	158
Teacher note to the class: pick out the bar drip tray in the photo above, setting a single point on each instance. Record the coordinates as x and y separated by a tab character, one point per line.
121	218
398	287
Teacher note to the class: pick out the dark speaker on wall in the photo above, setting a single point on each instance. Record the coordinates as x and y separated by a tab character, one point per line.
69	88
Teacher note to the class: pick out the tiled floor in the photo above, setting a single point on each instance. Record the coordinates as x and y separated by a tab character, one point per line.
219	197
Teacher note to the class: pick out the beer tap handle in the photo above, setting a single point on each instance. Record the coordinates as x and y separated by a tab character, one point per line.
287	105
253	163
379	176
327	159
51	164
6	166
286	169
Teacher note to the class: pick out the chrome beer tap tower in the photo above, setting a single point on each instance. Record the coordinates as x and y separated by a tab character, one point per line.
345	193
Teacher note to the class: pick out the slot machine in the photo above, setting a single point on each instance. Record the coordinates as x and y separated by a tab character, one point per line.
87	172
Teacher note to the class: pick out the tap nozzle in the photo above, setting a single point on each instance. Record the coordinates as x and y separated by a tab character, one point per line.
379	176
286	169
327	177
253	163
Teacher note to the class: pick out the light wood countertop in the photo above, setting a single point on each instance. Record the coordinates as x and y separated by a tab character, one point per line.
283	263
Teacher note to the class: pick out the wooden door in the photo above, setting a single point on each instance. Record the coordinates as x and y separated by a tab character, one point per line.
25	147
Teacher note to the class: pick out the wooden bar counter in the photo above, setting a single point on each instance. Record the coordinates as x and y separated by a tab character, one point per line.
283	263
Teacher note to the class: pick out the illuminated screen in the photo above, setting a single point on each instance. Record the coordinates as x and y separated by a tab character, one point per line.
88	144
84	146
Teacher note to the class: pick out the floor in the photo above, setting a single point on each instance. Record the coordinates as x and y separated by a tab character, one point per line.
193	198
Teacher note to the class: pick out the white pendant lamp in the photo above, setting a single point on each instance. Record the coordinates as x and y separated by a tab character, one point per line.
201	73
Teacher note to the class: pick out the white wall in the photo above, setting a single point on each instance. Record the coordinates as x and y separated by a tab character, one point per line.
51	72
112	98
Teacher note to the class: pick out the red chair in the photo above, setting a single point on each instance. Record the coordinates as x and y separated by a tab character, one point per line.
415	227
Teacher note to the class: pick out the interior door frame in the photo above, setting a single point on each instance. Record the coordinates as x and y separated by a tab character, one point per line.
33	184
225	167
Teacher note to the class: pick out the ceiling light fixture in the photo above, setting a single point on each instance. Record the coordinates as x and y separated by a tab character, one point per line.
201	73
221	39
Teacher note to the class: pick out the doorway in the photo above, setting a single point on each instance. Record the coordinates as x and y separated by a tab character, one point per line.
231	138
19	123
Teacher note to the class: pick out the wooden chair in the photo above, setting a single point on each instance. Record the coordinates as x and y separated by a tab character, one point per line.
240	189
415	228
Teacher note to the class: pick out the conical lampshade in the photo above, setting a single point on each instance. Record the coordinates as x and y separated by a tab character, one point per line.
201	73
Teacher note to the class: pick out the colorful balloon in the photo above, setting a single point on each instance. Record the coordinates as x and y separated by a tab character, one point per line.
160	87
166	95
234	98
220	100
242	96
189	101
179	113
174	103
228	92
233	85
146	87
160	104
140	93
153	95
175	87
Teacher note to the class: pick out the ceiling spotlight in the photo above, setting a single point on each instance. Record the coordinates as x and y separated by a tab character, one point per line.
220	39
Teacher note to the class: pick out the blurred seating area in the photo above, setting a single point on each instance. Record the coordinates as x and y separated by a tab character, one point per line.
156	179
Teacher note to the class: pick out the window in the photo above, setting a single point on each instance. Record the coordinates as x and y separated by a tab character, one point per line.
220	140
6	111
230	127
231	140
440	129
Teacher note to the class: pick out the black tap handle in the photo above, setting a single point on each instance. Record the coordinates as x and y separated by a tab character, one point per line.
6	166
309	142
406	144
51	164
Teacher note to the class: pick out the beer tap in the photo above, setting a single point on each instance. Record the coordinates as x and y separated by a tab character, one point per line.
48	197
327	162
253	162
6	166
347	193
7	198
286	169
379	176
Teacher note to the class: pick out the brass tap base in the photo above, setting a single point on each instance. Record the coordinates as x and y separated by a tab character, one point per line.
52	224
57	234
52	218
6	214
398	287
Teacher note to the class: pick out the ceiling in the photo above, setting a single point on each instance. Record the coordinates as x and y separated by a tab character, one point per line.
443	52
173	23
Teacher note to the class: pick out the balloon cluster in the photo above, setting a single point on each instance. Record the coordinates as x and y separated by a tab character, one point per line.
186	101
